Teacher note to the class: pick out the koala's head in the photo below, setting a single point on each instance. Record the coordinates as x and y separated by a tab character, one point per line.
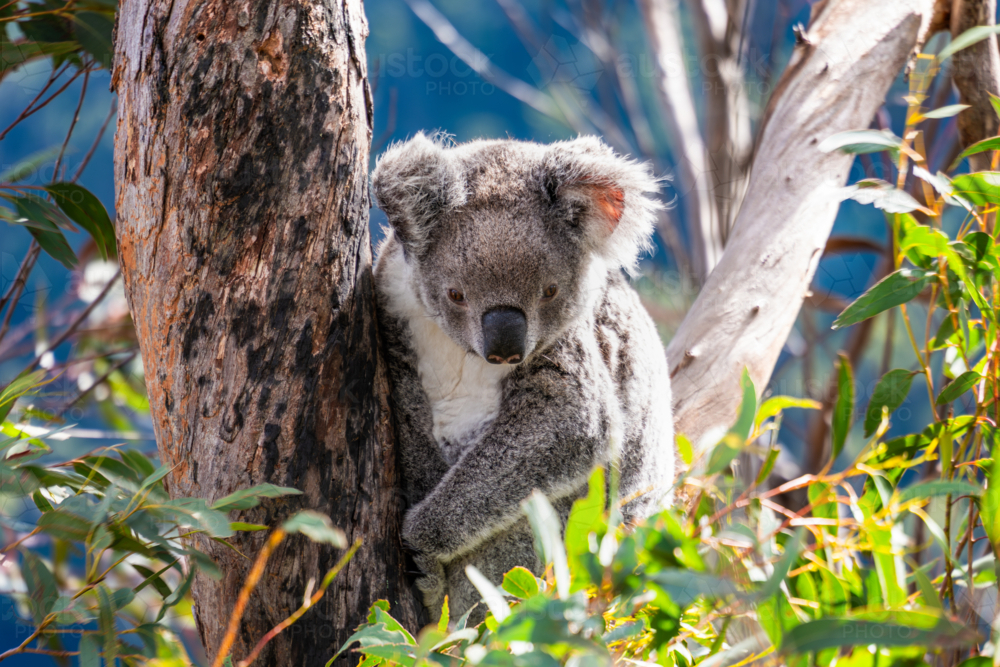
509	242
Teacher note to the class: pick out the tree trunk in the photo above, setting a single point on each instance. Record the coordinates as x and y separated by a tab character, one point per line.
241	161
836	81
976	72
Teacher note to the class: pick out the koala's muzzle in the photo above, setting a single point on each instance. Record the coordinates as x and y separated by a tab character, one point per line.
504	331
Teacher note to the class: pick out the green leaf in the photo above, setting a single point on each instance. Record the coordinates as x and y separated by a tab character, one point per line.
248	527
890	392
937	488
768	465
843	408
41	585
86	210
317	527
978	661
685	449
93	30
995	101
989	506
961	384
861	141
884	196
967	39
15	54
29	165
946	111
154	578
138	462
193	512
106	624
44	229
943	185
773	585
445	616
64	526
520	583
547	529
836	632
247	498
982	188
748	408
895	289
23	385
90	650
157	475
776	404
991	144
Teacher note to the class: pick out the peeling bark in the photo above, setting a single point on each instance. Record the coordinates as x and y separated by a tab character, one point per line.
241	160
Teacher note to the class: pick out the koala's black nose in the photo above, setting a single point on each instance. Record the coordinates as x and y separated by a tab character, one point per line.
504	331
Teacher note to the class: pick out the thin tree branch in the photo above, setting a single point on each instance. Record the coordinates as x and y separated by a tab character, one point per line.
97	140
478	61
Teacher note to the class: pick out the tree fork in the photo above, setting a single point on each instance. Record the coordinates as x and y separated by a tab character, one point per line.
241	160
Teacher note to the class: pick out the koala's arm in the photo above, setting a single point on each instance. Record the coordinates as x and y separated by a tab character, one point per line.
552	430
423	463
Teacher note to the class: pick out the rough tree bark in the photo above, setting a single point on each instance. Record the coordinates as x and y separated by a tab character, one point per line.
976	72
837	79
241	161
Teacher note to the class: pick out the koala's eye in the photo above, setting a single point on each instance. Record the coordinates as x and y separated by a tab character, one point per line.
550	292
456	296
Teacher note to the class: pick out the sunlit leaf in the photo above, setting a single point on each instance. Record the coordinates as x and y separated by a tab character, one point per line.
247	498
520	583
890	392
946	111
861	141
317	527
967	39
86	210
883	195
982	188
959	386
843	407
895	289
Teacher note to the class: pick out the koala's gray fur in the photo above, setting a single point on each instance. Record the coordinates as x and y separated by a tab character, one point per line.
500	221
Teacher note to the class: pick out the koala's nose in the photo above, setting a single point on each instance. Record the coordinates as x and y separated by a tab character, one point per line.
504	331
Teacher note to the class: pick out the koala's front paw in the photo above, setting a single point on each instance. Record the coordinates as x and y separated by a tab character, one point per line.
432	583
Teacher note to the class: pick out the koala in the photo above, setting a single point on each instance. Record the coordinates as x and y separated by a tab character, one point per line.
518	354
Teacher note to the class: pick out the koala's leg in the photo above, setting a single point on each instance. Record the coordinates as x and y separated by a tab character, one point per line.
515	547
495	558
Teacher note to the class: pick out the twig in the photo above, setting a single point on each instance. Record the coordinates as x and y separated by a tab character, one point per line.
306	606
101	380
241	602
42	105
27	110
478	61
72	124
76	322
18	287
97	140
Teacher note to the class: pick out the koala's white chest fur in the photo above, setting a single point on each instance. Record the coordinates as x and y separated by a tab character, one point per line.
463	389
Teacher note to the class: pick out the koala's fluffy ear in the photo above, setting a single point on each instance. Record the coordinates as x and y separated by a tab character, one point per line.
609	198
414	182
